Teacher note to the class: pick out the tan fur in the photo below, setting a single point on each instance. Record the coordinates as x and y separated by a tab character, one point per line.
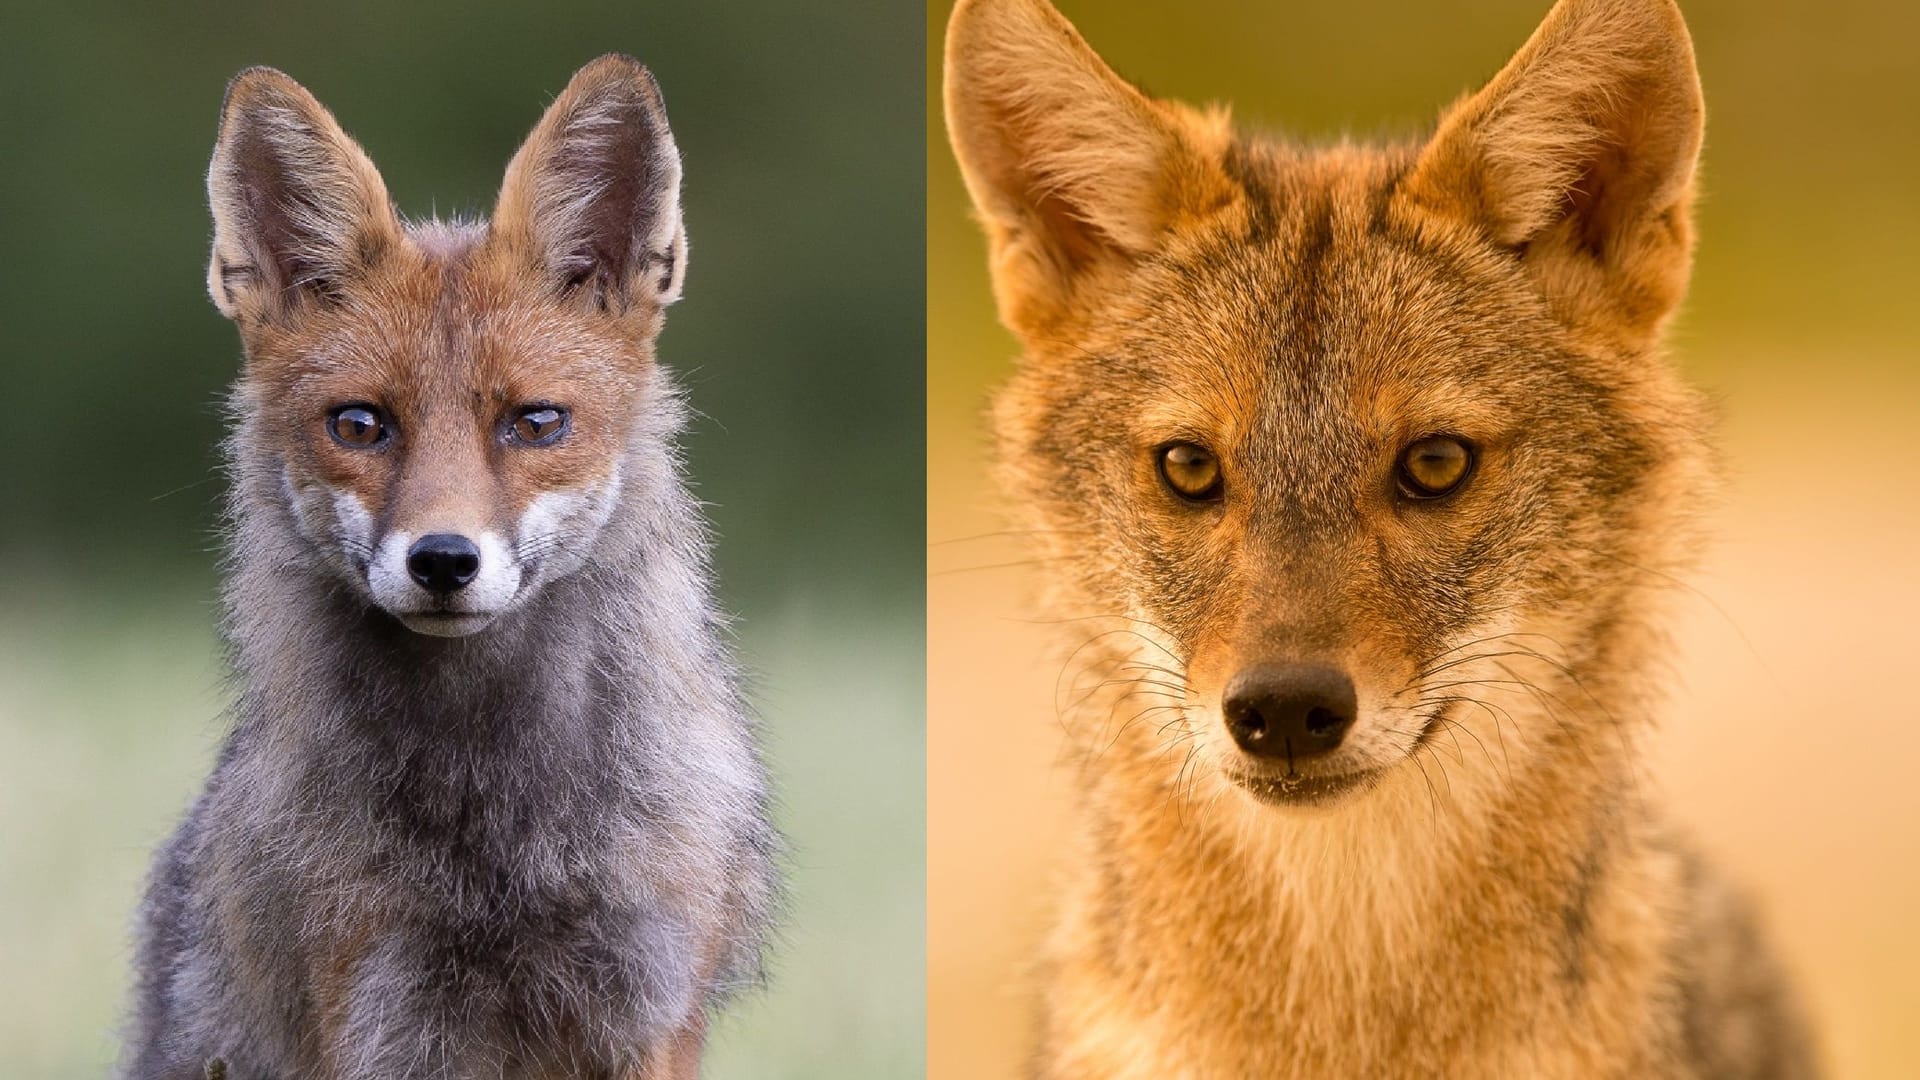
1492	894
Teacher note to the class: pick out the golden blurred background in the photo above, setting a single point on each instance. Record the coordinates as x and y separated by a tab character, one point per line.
1791	749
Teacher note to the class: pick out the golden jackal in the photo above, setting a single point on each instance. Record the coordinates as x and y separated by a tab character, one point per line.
1355	463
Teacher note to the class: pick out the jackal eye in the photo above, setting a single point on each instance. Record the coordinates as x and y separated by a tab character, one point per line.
1435	466
1190	471
356	426
539	425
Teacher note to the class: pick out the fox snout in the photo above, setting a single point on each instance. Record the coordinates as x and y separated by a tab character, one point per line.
443	582
443	563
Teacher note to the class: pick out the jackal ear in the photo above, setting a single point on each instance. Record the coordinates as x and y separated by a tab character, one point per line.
297	206
592	198
1069	166
1580	156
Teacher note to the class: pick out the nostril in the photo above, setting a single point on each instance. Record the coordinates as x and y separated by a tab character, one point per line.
465	567
1244	719
1324	722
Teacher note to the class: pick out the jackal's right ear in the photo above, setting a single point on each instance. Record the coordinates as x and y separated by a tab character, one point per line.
1069	166
592	198
297	206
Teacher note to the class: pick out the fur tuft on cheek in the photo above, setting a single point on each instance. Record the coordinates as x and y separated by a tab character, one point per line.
558	529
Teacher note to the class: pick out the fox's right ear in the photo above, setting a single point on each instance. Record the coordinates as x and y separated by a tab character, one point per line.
1069	166
297	206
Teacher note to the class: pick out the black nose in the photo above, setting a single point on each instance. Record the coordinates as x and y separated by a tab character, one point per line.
443	562
1289	711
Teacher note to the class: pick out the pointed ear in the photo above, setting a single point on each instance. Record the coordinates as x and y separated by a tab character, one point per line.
1068	165
591	201
298	208
1580	156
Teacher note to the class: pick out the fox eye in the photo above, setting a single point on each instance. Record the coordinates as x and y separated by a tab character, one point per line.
540	425
1435	466
356	426
1190	471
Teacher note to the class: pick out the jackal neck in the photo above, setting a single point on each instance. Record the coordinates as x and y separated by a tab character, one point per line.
1241	929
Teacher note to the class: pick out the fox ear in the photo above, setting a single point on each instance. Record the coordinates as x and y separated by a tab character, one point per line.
592	198
1580	156
297	206
1069	166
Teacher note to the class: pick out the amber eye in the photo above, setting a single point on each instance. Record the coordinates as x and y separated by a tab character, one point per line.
356	426
1191	471
539	425
1435	466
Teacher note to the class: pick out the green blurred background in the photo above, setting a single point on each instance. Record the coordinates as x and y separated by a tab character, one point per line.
800	338
1794	736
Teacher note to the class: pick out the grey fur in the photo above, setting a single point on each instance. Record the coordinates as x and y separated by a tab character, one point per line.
540	850
539	818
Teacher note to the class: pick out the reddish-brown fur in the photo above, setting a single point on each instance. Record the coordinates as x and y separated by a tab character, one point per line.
447	328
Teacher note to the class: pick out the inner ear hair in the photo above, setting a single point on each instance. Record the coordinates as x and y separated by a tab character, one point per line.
592	198
1597	120
1067	163
1579	156
298	208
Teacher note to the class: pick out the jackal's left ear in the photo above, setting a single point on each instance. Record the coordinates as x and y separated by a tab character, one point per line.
592	198
298	209
1579	155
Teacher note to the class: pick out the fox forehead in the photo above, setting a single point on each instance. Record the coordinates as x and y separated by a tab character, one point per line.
448	343
440	322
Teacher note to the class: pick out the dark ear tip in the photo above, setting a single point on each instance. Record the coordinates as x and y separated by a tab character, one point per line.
260	84
618	68
256	81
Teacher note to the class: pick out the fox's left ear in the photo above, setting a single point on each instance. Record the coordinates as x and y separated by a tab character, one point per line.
1580	157
592	198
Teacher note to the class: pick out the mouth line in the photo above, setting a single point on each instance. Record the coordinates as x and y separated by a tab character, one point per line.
1295	789
444	623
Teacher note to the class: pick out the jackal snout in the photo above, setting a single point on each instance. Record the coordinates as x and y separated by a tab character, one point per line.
1289	712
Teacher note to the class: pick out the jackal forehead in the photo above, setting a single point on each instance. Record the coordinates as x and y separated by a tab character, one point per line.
1321	315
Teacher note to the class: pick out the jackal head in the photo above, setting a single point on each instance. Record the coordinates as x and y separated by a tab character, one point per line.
1350	440
444	408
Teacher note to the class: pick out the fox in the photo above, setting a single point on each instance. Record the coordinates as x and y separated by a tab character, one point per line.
1359	472
492	801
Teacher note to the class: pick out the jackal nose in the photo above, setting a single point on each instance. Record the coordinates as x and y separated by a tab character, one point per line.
1289	711
443	562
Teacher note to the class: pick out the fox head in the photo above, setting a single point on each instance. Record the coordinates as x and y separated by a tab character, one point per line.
1362	447
443	409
